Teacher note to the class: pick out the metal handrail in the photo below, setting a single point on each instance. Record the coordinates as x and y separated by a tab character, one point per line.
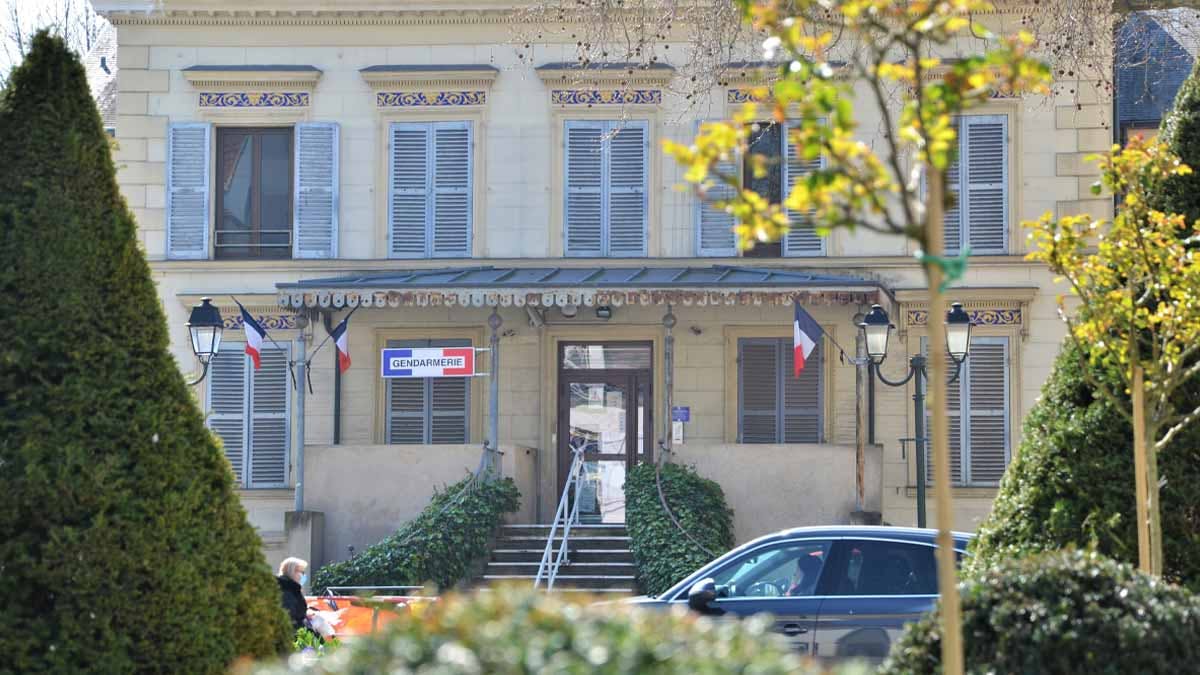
566	515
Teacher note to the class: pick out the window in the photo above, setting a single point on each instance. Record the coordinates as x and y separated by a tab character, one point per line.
979	178
249	410
978	409
790	570
275	190
715	234
429	190
606	188
773	406
429	410
870	567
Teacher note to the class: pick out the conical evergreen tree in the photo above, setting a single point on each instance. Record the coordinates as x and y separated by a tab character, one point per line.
1180	131
123	546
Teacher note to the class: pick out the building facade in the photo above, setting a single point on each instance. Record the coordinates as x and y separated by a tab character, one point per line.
404	164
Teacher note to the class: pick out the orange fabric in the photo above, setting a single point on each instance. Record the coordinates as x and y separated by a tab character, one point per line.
357	616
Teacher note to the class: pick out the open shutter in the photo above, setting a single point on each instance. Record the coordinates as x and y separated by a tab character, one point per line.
952	216
269	391
449	403
985	139
714	227
316	190
188	169
583	210
758	400
227	394
628	146
451	222
987	406
801	239
408	190
801	395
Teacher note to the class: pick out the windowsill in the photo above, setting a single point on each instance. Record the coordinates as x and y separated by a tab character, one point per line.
265	493
958	492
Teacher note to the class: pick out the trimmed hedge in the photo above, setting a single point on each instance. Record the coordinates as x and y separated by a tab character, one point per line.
1071	482
438	545
662	553
1180	131
521	631
123	545
1063	612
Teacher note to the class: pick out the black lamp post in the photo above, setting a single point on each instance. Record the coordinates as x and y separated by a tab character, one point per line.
205	325
878	329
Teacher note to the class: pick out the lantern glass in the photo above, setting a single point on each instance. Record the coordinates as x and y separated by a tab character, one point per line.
878	328
958	332
205	326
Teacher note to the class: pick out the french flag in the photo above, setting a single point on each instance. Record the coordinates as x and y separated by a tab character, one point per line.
343	345
255	334
805	333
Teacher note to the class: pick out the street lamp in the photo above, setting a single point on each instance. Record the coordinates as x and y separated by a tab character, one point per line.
205	325
878	328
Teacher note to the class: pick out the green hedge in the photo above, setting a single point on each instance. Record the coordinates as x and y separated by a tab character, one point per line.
662	553
1063	612
437	546
525	631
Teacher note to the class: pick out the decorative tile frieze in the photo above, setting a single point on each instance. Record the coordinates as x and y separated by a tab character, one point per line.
267	321
746	95
979	317
606	96
254	99
421	99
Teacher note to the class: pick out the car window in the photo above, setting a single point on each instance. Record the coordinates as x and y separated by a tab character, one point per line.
785	569
870	567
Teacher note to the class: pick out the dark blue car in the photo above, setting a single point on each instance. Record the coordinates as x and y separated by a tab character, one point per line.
835	592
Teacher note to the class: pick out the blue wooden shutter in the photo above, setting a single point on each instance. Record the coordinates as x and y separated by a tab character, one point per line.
758	400
407	406
952	217
425	411
270	398
188	170
449	403
226	396
985	147
801	415
316	190
583	214
714	227
955	398
628	146
450	223
987	384
408	190
801	239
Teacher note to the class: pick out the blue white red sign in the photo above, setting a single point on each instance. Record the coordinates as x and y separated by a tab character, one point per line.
434	362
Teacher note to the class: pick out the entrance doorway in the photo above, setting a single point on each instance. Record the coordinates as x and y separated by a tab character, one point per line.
604	409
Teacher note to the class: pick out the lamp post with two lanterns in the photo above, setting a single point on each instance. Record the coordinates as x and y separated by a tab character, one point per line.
878	328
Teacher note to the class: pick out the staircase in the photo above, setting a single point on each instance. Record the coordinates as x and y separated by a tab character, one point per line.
600	561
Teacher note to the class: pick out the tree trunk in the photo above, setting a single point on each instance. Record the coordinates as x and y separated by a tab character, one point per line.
952	652
1140	463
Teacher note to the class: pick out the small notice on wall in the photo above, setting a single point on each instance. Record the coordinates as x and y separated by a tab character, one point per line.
681	413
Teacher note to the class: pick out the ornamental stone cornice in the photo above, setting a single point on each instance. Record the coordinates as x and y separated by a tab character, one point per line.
605	76
316	17
404	77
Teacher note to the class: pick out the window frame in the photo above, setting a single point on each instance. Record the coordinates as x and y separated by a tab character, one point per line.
475	386
246	482
780	412
607	127
220	133
430	127
428	414
964	225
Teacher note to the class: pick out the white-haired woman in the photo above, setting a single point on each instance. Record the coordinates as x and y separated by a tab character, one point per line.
293	574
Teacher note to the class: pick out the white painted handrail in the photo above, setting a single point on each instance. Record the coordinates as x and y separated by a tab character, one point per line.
565	517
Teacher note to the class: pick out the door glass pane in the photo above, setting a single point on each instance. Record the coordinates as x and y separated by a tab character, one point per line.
790	569
596	425
602	357
886	568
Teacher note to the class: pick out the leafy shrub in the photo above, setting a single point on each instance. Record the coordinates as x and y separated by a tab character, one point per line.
123	546
1063	612
1071	483
1181	133
526	631
662	553
437	546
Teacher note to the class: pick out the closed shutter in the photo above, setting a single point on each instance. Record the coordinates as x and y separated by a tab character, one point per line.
758	401
952	217
451	184
801	395
801	239
423	411
269	399
227	394
985	143
714	227
987	406
316	190
628	145
954	401
583	215
408	190
188	169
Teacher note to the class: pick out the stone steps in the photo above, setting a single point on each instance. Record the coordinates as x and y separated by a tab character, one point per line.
599	560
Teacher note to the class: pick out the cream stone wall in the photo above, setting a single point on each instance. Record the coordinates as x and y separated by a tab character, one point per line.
518	221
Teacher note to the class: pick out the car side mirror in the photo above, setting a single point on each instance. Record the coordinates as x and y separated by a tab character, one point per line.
702	594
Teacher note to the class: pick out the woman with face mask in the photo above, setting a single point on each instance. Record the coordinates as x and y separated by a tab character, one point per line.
293	574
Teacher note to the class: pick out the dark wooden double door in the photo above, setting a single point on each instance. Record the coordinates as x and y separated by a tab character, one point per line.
605	412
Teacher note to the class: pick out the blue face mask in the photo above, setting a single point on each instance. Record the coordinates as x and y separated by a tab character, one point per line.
303	579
